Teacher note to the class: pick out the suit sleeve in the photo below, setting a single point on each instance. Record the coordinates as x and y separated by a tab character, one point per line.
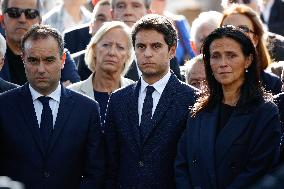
264	151
181	164
69	72
112	147
94	172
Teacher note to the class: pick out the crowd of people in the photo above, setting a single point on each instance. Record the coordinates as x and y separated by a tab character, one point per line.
124	94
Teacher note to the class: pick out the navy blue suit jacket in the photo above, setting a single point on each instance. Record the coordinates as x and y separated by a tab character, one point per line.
145	164
243	151
76	39
5	85
276	17
75	158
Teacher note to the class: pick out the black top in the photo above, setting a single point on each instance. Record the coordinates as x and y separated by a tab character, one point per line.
224	115
102	99
16	67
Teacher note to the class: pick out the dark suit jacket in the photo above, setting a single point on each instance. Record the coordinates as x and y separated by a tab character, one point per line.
276	17
5	85
271	82
77	39
132	72
145	164
243	151
76	153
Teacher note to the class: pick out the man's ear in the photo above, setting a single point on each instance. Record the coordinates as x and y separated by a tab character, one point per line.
172	51
63	58
193	46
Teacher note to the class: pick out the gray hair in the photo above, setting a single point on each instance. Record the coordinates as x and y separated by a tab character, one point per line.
3	46
212	18
107	26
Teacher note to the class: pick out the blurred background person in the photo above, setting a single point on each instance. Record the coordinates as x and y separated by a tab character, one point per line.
84	32
109	58
195	72
233	135
202	26
184	50
273	15
274	42
245	18
47	5
4	85
130	11
68	14
15	23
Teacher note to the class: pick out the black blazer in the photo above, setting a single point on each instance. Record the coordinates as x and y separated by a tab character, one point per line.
276	18
75	157
147	164
77	38
246	149
5	85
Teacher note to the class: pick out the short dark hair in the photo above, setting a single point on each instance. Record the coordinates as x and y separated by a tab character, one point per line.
4	6
147	3
158	23
43	32
251	90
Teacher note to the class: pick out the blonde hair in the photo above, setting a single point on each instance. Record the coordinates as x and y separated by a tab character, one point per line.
262	51
107	26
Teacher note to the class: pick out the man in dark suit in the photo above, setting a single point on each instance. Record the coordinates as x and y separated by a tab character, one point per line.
50	136
145	120
84	32
18	17
4	85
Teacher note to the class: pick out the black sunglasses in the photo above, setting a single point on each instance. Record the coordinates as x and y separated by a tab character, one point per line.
15	12
245	29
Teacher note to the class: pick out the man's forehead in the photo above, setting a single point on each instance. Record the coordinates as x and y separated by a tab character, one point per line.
130	1
23	4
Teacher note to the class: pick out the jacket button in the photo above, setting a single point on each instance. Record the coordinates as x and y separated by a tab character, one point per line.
140	164
194	161
46	174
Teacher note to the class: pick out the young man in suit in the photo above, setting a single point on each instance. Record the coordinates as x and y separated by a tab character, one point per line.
145	120
50	136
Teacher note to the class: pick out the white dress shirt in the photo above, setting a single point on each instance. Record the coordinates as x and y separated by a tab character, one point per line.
53	103
159	88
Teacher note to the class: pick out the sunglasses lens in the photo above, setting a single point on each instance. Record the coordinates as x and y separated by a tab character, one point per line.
13	12
31	13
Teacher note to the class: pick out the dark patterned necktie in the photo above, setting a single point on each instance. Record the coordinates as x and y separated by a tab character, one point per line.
46	124
146	117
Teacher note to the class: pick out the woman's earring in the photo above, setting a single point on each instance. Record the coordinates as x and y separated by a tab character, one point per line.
246	71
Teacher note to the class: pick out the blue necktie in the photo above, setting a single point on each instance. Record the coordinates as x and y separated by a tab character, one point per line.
46	124
146	117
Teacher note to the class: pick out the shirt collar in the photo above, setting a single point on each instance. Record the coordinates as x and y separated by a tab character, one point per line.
55	95
159	85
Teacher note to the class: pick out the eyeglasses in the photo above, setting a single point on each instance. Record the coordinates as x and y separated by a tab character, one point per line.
245	29
15	12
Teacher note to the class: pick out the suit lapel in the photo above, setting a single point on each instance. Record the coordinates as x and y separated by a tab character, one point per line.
208	125
65	107
133	113
233	129
28	111
163	105
87	87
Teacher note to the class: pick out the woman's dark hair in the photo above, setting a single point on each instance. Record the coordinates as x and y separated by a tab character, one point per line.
251	89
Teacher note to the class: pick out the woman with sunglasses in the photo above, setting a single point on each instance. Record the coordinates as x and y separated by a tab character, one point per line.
247	20
233	133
